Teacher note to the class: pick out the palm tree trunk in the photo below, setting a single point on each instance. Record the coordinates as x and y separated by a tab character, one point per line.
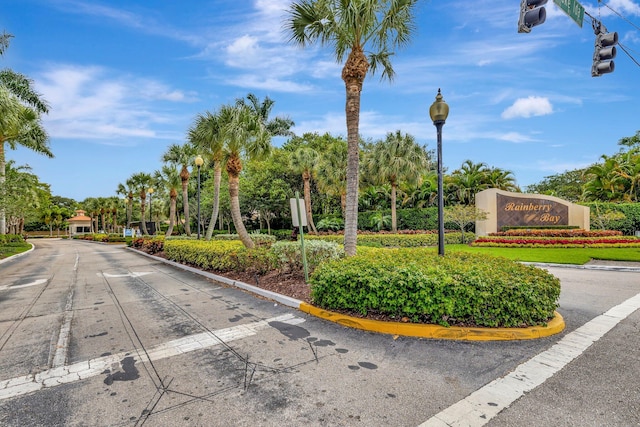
143	223
234	187
217	177
307	204
172	214
394	218
353	74
185	204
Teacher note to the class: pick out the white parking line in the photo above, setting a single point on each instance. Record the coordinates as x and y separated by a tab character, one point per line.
481	406
90	368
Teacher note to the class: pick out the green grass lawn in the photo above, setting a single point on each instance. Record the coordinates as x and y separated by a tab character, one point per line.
577	256
10	249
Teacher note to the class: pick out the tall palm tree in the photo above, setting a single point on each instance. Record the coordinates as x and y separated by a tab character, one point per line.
182	155
141	182
351	28
243	133
19	125
305	161
206	134
169	177
396	159
501	179
127	189
604	183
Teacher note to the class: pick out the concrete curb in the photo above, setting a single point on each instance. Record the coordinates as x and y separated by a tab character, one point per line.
555	326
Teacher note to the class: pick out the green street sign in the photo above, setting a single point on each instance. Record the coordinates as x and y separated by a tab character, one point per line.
573	9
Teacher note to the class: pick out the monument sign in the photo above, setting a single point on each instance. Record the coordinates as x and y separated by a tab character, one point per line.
521	210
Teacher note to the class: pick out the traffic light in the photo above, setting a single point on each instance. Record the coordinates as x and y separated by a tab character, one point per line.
531	14
604	51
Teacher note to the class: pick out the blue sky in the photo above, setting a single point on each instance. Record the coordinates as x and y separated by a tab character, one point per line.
126	78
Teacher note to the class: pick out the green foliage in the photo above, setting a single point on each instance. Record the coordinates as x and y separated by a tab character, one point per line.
631	221
11	238
220	256
459	288
330	223
258	239
289	254
399	240
379	221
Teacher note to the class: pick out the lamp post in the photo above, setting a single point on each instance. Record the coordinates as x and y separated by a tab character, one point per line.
439	111
199	163
150	191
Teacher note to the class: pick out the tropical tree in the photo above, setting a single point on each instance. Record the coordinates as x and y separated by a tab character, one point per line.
396	159
24	193
182	156
141	182
465	182
243	134
170	179
365	33
20	109
278	126
304	161
127	189
501	179
205	134
604	181
332	172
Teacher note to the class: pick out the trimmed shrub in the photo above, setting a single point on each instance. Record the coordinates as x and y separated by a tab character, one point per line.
289	254
387	240
11	238
460	288
258	239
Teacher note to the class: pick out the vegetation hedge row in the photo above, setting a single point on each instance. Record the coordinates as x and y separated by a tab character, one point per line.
103	237
11	238
631	221
557	233
398	240
459	288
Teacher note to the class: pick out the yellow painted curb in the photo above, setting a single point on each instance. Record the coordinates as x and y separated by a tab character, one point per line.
556	325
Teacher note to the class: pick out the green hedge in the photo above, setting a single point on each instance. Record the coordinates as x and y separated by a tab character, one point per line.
630	224
398	240
11	238
220	255
459	288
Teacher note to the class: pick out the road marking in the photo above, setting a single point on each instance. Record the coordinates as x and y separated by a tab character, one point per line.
481	406
82	370
132	274
26	285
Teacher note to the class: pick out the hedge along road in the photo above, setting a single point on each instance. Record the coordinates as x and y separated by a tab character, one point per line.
93	334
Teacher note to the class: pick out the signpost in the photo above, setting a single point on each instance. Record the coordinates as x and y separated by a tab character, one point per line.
300	220
573	9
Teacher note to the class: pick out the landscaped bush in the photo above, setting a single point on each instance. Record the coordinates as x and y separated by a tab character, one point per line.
330	224
631	221
289	254
10	238
557	233
220	255
398	240
459	288
258	239
150	245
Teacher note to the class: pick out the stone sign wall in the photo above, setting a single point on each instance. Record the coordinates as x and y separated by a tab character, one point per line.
520	210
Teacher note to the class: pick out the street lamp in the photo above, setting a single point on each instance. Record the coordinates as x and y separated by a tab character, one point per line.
439	111
199	163
150	191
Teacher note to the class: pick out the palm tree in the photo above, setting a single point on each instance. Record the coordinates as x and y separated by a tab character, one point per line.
182	155
279	126
501	179
305	161
604	182
350	28
243	133
205	134
169	177
19	125
469	180
127	189
141	182
396	159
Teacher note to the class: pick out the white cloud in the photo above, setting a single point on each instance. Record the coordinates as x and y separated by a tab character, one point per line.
91	103
515	137
527	107
253	81
624	7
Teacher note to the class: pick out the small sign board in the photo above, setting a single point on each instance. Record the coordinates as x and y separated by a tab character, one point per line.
572	8
294	212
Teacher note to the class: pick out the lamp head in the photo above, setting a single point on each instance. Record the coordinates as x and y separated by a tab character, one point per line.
199	161
439	110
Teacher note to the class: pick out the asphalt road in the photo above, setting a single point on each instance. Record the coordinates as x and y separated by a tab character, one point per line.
95	335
